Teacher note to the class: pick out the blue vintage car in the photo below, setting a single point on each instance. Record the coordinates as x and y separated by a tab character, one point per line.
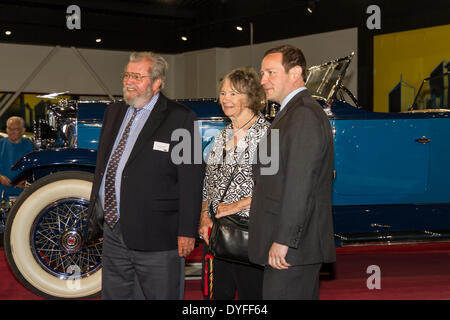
391	181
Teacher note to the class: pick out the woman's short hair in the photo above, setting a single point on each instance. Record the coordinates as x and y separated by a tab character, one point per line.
159	66
245	80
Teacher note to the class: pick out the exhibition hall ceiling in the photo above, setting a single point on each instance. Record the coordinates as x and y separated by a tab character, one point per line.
159	25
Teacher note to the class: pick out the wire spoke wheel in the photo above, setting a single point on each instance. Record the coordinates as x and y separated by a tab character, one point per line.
45	241
58	241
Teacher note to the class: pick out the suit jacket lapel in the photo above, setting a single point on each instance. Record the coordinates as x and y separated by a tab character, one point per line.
154	120
116	121
295	101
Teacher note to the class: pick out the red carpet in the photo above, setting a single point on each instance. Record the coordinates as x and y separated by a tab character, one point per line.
407	272
10	287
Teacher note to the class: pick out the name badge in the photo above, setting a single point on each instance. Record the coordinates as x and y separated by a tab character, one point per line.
161	146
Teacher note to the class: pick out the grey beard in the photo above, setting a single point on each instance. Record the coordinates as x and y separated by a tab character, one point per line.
139	100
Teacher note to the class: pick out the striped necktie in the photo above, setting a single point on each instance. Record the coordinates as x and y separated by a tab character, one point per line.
111	212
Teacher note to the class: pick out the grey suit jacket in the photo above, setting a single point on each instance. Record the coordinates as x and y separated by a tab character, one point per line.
293	206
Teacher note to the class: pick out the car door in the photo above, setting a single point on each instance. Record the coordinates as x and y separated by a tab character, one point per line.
381	161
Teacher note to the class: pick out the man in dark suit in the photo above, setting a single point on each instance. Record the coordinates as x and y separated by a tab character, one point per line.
291	227
149	203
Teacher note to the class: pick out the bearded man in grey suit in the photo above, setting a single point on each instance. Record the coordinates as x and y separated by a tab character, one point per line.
291	226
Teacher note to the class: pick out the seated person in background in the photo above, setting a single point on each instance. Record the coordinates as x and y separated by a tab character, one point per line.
11	150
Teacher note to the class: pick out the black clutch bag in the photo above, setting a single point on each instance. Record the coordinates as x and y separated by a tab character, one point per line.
229	239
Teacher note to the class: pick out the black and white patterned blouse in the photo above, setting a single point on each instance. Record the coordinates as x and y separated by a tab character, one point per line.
237	162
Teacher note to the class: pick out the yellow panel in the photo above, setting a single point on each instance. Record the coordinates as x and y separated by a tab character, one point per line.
409	56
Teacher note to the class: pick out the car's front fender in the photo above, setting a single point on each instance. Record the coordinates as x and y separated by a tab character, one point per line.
43	162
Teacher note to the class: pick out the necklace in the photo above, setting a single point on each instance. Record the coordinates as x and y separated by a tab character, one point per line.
235	132
239	129
225	151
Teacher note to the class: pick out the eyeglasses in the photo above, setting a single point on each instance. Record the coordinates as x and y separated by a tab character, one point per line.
134	76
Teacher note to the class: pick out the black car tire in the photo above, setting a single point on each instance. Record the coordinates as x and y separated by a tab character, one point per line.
45	238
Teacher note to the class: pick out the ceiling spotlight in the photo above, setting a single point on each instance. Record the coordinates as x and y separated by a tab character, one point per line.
311	6
184	38
239	28
8	33
98	40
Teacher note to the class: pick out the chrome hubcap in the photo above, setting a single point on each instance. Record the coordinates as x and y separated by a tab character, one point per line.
72	241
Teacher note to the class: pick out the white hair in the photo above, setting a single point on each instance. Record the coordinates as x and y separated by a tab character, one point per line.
159	66
16	118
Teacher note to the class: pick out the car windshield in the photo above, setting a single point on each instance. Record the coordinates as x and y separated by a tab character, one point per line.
323	80
433	93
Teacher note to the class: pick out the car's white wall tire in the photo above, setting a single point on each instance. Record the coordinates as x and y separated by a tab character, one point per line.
20	255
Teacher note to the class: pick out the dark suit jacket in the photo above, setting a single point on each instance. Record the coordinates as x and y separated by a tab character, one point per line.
159	200
293	207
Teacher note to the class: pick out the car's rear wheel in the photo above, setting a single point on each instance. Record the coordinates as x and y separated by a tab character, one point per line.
45	241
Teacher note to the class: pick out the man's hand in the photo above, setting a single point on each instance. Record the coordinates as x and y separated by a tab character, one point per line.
4	180
185	246
277	256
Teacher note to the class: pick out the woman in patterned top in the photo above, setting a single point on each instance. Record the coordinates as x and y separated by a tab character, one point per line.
242	99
